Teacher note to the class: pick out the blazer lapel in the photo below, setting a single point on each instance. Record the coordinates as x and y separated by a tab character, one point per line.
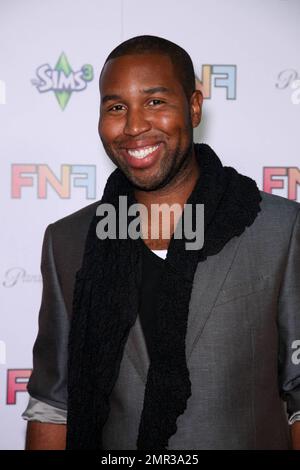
208	281
209	278
136	350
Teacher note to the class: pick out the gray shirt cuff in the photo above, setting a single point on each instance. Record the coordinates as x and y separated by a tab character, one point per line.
295	417
44	413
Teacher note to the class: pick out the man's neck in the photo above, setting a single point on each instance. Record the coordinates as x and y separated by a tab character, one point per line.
177	192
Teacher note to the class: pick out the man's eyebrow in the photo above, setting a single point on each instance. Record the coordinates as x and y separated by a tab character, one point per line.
157	89
110	98
147	91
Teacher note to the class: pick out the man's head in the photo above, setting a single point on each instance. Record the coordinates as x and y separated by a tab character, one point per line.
149	107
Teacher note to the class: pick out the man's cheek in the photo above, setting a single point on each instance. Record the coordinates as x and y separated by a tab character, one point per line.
107	128
172	125
165	121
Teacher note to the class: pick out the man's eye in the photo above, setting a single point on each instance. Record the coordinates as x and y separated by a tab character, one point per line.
155	102
117	107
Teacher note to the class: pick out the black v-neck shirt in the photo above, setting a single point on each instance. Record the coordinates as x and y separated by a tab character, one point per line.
152	269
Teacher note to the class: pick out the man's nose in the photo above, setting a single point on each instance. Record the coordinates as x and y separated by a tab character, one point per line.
136	122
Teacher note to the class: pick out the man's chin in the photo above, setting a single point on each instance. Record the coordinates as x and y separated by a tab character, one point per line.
142	184
151	182
145	186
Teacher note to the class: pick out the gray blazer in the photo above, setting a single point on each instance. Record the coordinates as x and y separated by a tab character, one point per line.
242	344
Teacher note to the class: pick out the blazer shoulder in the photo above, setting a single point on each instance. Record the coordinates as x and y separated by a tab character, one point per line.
68	236
275	220
76	223
272	204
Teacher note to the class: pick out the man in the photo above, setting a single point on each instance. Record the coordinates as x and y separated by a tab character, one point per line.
195	351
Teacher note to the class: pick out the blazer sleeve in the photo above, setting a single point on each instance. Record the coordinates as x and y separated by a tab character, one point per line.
289	325
48	382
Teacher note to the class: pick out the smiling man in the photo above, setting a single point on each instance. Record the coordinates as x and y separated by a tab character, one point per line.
147	130
142	343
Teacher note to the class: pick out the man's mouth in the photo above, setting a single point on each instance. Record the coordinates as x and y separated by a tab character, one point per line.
142	157
142	152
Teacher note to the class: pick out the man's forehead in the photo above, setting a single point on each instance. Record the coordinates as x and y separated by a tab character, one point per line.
151	69
140	58
136	61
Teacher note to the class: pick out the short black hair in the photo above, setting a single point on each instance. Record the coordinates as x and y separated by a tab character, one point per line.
180	59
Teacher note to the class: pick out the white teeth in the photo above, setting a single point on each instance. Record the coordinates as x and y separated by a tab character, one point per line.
142	153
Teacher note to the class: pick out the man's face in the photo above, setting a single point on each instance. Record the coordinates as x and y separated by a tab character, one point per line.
146	121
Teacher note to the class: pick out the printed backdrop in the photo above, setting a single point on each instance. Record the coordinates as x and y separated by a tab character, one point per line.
52	162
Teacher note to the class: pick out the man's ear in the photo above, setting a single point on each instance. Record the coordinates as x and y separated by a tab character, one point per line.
196	107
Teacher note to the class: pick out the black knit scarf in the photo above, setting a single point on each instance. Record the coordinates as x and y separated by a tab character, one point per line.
106	301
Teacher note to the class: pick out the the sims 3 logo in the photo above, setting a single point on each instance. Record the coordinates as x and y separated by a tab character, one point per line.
62	80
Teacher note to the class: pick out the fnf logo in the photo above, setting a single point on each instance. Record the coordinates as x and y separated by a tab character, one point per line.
218	76
17	380
62	80
40	177
285	179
